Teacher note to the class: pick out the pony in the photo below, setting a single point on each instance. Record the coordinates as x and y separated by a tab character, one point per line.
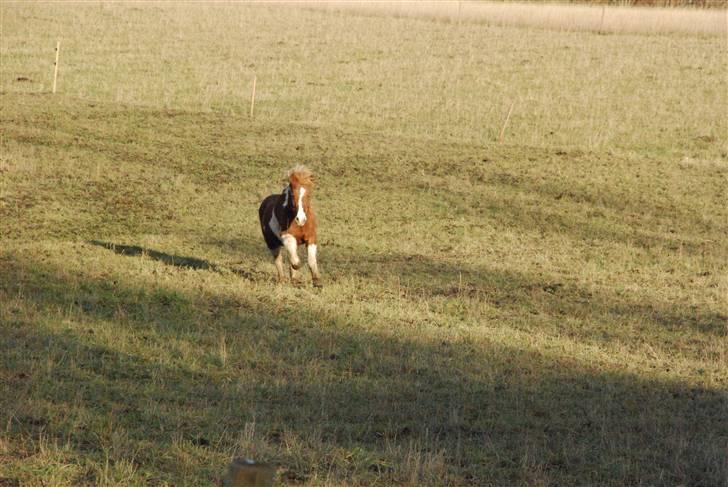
287	220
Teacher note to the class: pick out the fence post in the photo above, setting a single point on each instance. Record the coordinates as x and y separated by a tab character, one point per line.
252	97
503	130
55	70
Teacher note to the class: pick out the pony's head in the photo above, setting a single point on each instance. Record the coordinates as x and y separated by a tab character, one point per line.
298	192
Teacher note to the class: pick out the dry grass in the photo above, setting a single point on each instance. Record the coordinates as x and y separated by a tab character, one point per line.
571	89
594	18
551	310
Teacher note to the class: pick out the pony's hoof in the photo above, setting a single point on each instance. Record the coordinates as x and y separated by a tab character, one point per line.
317	283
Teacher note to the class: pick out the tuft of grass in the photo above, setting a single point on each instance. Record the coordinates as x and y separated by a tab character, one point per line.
550	310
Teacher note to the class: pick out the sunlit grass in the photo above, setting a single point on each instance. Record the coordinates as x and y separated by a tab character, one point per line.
411	76
547	310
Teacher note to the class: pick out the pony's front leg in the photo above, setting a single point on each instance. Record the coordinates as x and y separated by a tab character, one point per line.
313	264
289	242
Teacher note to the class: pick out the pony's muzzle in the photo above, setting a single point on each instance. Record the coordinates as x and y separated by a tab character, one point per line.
300	221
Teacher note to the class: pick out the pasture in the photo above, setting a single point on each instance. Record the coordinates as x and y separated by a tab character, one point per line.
551	309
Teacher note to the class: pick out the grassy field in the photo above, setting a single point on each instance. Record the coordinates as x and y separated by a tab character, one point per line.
550	310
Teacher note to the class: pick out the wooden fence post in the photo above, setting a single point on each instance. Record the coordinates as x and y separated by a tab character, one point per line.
503	130
252	98
55	70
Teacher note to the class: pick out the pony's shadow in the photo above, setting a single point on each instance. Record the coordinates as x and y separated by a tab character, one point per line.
169	259
184	262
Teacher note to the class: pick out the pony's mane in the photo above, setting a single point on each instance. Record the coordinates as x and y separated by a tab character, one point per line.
302	174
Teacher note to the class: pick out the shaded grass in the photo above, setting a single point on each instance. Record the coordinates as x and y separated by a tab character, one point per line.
467	406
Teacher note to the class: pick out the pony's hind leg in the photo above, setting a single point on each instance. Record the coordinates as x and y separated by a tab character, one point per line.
278	259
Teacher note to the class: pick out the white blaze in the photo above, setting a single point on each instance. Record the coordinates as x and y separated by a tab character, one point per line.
301	215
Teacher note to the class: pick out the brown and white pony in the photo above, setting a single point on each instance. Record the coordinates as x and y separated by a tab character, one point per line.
287	220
